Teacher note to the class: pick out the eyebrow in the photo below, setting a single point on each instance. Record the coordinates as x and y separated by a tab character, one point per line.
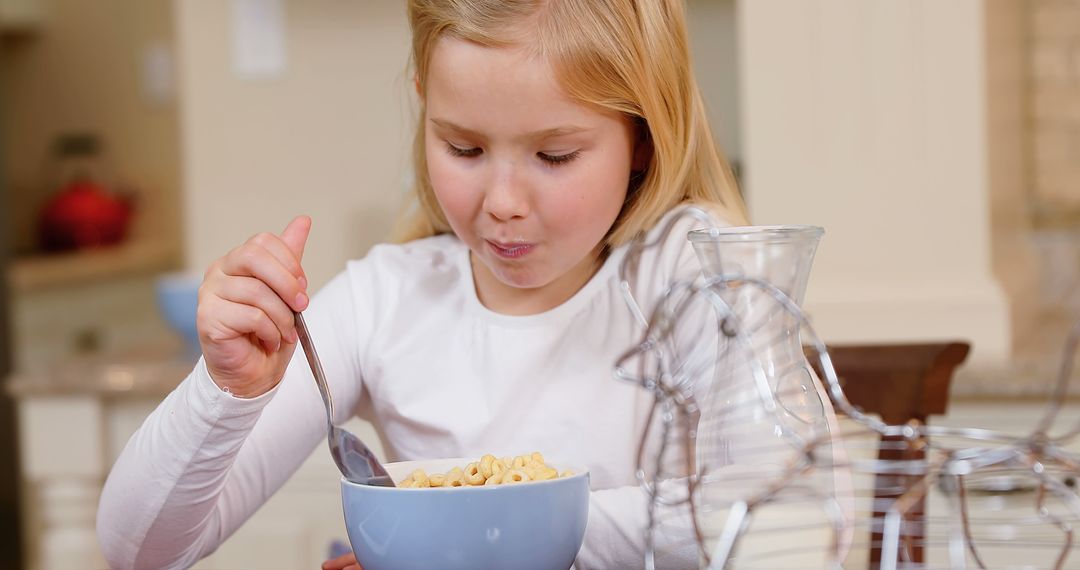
546	133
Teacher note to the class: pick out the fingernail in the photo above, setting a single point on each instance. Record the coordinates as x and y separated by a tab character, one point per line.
303	282
301	301
277	346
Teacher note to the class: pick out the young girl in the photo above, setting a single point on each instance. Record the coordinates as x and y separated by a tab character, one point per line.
551	134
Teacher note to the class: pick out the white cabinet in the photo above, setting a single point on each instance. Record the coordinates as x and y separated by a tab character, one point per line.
75	420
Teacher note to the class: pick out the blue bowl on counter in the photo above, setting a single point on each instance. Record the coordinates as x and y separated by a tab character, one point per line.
178	301
538	525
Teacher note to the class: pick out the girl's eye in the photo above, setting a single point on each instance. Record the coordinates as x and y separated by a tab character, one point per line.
455	150
558	158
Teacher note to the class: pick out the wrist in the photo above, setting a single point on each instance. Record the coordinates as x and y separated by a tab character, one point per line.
246	394
243	391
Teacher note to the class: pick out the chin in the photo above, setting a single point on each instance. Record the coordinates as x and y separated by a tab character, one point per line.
518	281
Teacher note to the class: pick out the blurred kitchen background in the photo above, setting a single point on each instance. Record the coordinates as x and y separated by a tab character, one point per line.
938	142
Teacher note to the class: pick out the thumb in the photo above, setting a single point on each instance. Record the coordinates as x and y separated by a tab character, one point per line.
296	234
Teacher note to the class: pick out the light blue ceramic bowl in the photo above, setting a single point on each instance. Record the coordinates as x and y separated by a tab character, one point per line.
177	300
527	526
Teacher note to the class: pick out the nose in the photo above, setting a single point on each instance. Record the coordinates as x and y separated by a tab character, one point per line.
507	196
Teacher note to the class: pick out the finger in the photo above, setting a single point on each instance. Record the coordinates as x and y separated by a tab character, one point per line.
296	234
253	260
224	320
281	251
340	563
253	292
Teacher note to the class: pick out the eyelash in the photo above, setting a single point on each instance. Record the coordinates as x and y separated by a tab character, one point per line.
554	160
560	159
463	152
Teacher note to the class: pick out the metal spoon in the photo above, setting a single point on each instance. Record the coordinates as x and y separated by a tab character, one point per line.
355	461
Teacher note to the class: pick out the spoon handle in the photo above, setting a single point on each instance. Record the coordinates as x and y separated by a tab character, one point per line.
316	366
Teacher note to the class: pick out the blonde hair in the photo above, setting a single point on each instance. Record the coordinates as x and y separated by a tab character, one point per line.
628	56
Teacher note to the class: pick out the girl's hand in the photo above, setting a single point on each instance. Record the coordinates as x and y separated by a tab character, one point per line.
246	328
343	562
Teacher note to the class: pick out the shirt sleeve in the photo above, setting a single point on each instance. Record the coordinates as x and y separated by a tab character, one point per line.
204	460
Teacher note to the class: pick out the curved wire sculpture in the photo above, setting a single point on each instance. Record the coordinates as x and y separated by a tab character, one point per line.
744	470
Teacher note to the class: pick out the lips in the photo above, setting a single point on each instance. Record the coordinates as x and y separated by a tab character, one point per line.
510	250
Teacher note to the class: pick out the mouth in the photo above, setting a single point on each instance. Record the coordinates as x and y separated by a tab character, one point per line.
510	250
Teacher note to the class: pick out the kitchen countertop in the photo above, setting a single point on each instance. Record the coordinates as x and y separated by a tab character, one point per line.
149	372
153	371
1023	379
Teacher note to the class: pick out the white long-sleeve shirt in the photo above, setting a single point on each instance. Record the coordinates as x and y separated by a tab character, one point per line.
407	345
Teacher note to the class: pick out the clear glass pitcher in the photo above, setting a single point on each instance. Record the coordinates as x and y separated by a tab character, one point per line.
738	409
782	256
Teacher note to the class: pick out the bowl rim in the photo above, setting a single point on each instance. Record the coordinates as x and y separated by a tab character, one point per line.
580	472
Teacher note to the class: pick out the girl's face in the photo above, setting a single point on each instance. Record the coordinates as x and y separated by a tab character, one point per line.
528	178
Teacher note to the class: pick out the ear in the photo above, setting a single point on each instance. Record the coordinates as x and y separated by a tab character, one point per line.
416	84
643	147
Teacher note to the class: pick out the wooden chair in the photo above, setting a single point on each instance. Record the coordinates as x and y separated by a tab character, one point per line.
901	383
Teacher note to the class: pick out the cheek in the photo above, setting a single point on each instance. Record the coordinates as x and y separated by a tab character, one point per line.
601	193
448	184
585	217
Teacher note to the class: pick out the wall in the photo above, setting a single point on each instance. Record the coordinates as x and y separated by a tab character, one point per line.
1035	151
1054	28
1053	113
714	45
1014	257
327	137
869	118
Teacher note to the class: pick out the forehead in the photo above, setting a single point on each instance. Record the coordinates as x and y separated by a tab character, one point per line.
498	87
